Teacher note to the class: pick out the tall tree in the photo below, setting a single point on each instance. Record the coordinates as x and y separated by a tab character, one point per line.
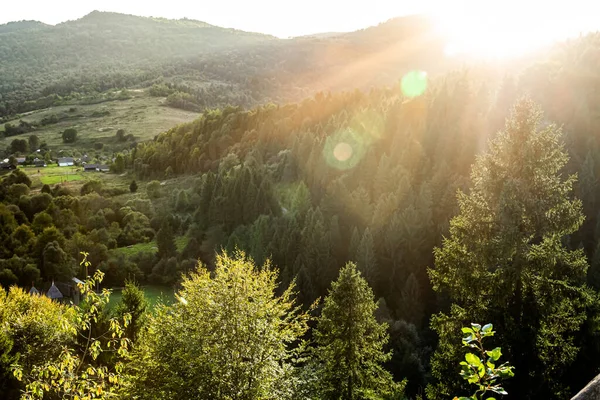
350	341
365	257
165	240
505	261
134	303
229	337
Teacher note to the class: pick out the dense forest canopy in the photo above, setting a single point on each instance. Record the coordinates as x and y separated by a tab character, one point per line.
345	238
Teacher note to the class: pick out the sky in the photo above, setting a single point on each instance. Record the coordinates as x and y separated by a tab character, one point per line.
284	18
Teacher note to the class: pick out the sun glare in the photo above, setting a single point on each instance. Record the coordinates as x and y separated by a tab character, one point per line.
501	30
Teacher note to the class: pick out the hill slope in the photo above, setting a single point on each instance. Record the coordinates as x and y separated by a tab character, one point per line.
108	50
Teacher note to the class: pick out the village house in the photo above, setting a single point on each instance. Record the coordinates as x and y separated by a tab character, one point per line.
66	162
39	163
62	292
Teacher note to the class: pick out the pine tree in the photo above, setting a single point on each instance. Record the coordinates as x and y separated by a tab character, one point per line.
365	258
134	303
165	240
354	243
350	341
505	261
412	304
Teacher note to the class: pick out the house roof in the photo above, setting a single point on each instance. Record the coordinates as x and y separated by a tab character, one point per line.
77	281
65	159
590	392
54	293
33	290
90	166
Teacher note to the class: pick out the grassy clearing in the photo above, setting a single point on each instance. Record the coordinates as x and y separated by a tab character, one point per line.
53	174
150	247
153	293
143	116
52	180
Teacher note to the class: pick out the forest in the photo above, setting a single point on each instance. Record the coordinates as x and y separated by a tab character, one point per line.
208	66
405	235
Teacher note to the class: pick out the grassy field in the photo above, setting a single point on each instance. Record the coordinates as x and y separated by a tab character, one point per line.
152	293
142	116
132	250
74	177
52	175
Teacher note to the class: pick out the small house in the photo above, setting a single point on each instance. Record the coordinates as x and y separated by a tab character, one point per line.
66	162
89	167
7	166
20	160
53	293
39	163
102	168
33	291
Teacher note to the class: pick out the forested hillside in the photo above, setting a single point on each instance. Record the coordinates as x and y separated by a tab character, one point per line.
208	65
345	239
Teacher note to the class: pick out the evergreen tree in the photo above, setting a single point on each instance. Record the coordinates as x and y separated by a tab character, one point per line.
354	243
165	240
365	258
350	341
133	187
505	261
411	308
134	303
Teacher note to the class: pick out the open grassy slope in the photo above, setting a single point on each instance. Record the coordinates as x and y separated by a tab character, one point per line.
141	115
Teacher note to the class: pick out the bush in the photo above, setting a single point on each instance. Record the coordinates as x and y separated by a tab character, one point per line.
153	189
69	135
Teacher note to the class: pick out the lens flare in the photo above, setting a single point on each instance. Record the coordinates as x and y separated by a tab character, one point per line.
414	83
342	151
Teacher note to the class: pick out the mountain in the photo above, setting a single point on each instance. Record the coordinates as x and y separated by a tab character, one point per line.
108	50
21	25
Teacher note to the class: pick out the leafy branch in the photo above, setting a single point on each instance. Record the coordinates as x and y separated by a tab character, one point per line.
73	375
480	369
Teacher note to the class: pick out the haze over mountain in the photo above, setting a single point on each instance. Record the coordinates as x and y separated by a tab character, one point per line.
109	50
424	197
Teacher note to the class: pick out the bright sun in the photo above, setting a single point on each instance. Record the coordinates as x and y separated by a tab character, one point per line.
503	29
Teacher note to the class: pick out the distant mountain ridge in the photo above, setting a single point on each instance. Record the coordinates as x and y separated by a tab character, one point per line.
21	25
104	50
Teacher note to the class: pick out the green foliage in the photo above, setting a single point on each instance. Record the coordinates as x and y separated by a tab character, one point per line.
120	135
34	329
350	342
481	370
228	336
76	372
153	189
34	142
69	135
119	165
19	146
165	240
133	303
505	259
